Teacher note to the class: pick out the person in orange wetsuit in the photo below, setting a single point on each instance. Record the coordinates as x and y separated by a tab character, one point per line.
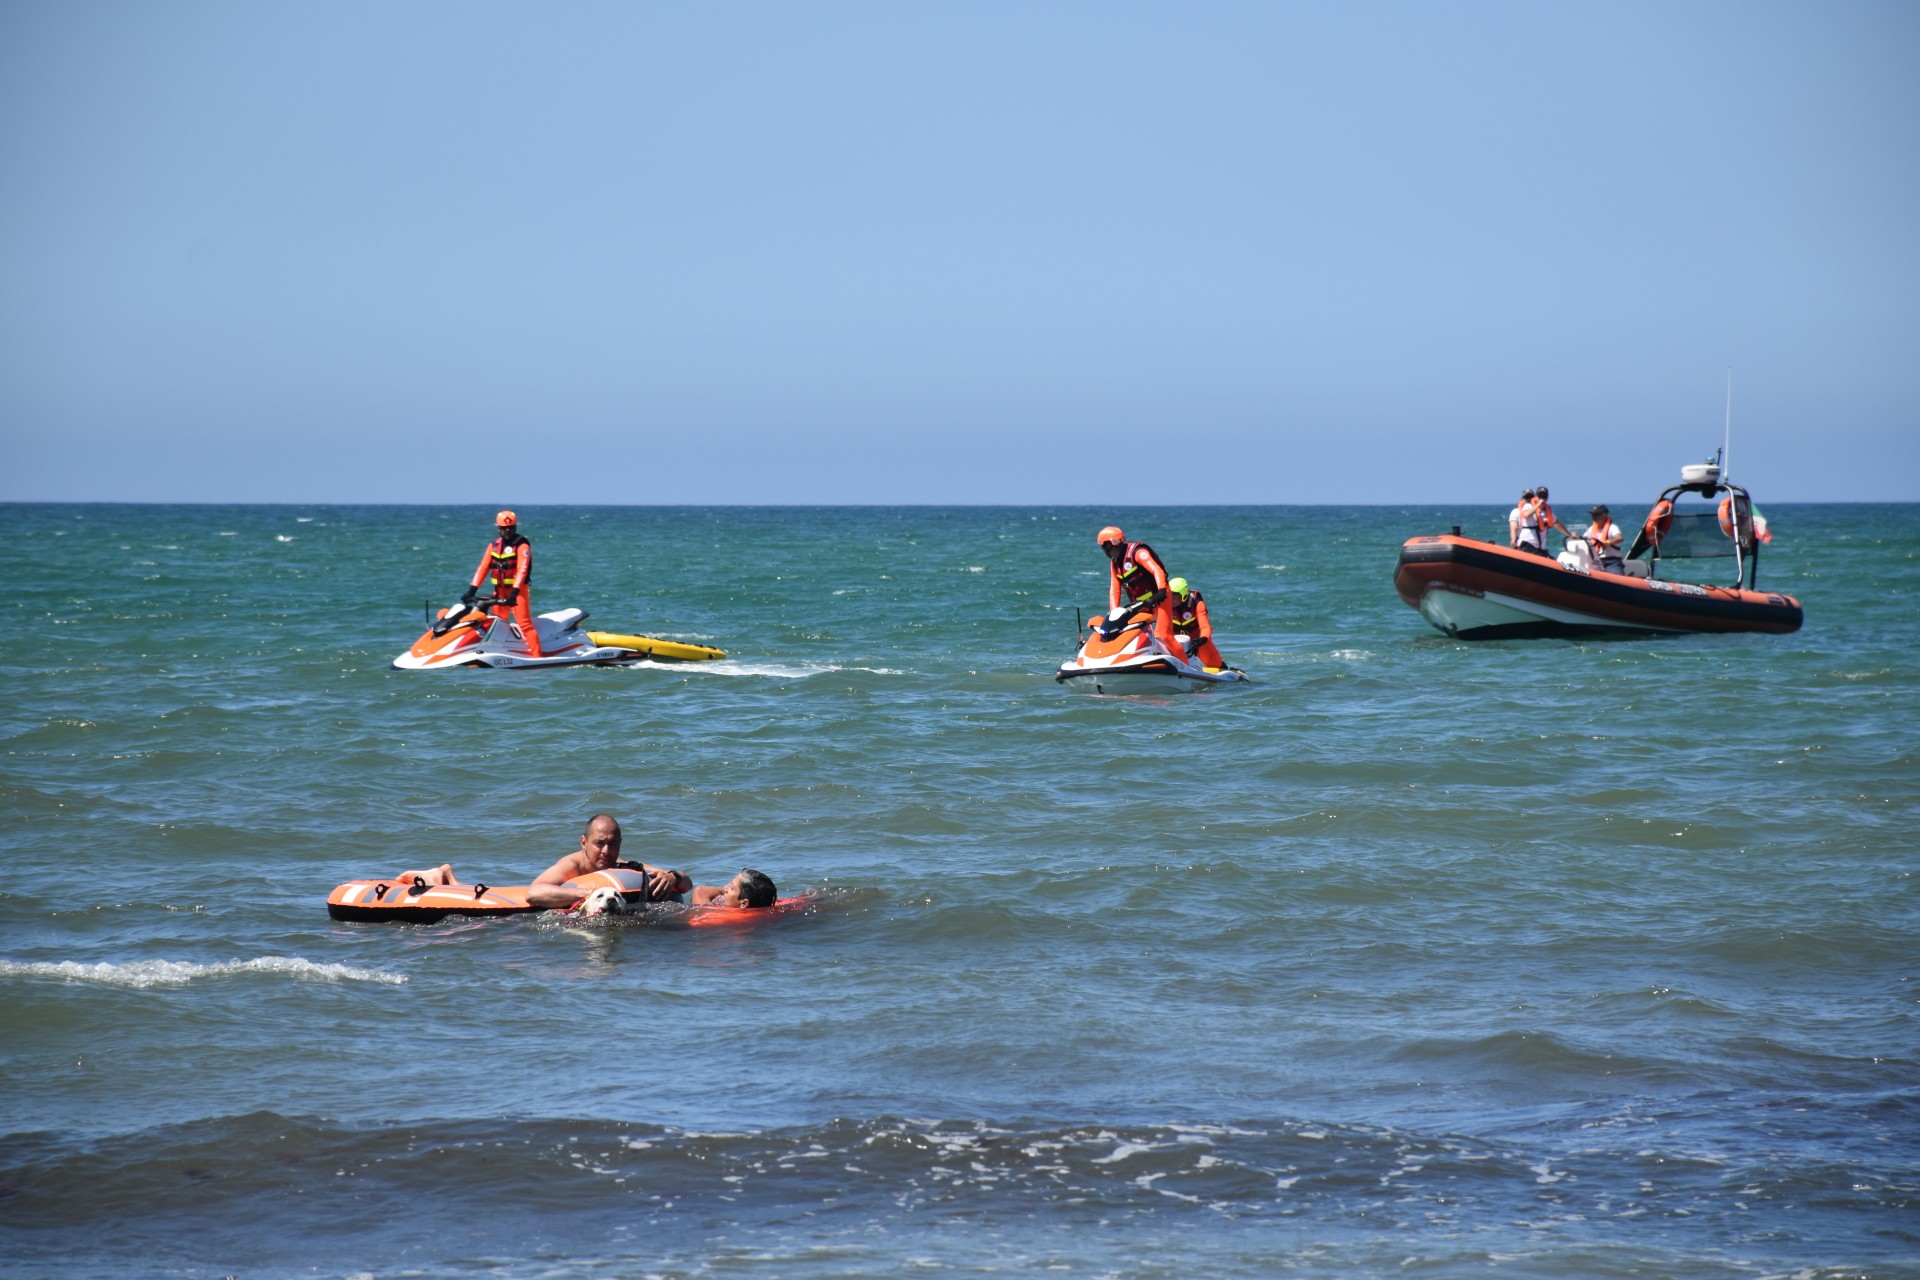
1190	620
1138	580
508	562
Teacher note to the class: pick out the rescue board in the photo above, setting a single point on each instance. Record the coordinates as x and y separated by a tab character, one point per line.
415	902
663	650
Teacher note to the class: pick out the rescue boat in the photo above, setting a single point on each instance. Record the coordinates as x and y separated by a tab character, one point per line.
1122	655
1477	590
414	901
464	635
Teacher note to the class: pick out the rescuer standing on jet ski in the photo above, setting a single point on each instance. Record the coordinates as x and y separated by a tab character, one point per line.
508	561
1190	620
1140	581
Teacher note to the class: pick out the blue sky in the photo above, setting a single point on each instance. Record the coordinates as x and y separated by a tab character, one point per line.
980	252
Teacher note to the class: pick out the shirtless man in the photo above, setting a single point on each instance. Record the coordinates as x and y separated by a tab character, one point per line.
599	851
748	889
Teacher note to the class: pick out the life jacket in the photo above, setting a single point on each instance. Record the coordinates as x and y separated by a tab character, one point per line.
1136	580
1186	613
503	562
1604	542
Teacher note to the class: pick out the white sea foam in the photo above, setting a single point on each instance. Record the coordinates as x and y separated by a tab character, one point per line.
779	671
176	973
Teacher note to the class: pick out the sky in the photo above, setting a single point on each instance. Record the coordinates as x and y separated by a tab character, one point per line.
982	252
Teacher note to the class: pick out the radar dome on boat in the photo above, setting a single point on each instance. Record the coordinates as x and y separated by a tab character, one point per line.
1700	473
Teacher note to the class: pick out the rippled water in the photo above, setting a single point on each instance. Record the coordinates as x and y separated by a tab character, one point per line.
1417	956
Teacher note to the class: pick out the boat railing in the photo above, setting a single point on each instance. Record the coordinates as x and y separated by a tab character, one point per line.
1695	533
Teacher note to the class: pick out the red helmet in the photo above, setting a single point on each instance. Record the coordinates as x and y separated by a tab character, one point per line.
505	520
1110	536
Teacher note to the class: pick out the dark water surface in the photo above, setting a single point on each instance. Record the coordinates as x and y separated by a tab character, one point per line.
1418	957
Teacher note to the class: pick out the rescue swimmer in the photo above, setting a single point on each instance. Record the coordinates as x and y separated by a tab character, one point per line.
508	563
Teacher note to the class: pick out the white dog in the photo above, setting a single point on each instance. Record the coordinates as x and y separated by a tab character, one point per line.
603	902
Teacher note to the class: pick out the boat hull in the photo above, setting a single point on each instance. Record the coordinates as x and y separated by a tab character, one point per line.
1476	590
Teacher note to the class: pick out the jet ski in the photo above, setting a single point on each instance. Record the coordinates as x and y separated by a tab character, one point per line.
466	635
1122	655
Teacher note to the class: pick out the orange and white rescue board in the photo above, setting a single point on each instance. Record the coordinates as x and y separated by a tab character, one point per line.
417	902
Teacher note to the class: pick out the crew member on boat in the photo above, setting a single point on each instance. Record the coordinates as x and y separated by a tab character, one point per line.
1538	520
1190	620
508	562
1138	580
600	851
1516	518
1604	538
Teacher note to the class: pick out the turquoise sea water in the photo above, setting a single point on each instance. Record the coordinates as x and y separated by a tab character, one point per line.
1417	957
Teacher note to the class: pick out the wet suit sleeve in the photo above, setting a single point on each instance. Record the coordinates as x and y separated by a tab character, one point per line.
1201	620
480	574
1147	558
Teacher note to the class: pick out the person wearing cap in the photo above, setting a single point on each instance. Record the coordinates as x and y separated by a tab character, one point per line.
1139	581
508	562
1517	516
1604	538
1537	521
1190	620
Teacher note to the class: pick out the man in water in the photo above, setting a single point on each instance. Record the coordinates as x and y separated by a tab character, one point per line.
508	562
600	851
1139	580
748	889
1190	620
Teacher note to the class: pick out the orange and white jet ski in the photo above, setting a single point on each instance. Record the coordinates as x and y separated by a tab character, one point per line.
466	635
1122	655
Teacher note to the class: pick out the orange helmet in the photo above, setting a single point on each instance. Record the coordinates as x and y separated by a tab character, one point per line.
505	520
1110	535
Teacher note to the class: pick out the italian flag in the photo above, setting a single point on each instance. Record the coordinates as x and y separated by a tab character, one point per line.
1760	530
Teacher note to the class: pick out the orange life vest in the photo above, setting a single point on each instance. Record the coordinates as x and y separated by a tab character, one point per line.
1136	580
1188	614
510	564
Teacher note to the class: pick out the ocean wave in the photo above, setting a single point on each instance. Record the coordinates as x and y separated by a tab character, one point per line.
141	974
626	1191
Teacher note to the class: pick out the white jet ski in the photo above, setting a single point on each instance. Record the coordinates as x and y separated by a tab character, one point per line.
1122	655
466	635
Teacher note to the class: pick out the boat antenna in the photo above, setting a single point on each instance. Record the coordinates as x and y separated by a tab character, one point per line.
1726	447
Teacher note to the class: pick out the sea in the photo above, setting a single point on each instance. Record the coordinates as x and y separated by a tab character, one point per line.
1415	957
